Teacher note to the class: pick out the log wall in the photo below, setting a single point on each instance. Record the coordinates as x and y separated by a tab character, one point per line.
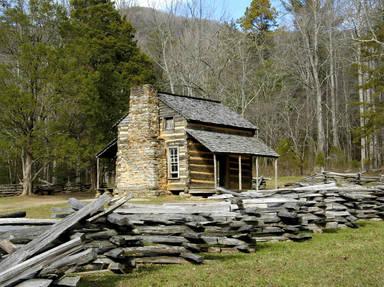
246	171
201	167
171	138
221	129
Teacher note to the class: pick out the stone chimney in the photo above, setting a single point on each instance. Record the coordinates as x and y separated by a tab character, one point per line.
137	165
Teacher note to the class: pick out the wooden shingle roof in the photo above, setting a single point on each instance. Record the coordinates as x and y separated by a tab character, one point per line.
229	143
205	111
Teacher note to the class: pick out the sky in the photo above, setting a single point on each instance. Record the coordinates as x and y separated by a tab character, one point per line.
230	9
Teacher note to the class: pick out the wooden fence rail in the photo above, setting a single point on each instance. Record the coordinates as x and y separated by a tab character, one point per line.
10	189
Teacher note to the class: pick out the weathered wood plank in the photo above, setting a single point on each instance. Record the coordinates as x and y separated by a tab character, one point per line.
7	246
21	233
192	257
162	230
35	283
110	209
27	221
53	233
80	258
75	203
69	281
152	251
17	272
174	208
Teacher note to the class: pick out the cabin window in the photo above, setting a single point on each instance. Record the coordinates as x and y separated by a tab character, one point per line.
173	162
169	124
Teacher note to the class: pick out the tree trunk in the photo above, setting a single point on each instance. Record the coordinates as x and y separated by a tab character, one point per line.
361	109
54	178
319	105
301	166
93	174
335	132
311	40
27	173
10	178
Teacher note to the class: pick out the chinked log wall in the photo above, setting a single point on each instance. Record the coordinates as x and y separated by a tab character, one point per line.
201	168
173	138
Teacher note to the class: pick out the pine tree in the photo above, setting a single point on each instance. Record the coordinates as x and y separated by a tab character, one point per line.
259	17
373	104
109	61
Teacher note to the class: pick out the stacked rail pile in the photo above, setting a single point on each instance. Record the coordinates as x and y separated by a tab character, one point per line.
364	203
344	178
119	239
123	236
10	189
200	227
292	213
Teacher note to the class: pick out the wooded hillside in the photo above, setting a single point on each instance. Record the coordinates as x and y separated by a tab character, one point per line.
314	86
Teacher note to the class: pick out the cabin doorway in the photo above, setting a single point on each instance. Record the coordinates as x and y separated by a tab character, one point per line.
222	171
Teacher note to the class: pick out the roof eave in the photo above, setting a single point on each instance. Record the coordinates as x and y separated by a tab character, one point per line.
106	148
222	125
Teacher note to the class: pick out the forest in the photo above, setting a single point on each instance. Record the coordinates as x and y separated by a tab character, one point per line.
313	84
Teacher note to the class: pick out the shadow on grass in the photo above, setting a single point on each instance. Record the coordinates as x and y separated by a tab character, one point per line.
101	281
112	280
365	223
223	256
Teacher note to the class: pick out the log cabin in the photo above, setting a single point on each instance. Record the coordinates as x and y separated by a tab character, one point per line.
184	144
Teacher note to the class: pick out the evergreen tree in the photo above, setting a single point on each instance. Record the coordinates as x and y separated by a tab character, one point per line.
113	60
101	43
373	104
259	17
29	37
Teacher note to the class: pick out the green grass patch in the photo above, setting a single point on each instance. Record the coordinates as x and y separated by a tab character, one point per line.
39	206
283	180
349	257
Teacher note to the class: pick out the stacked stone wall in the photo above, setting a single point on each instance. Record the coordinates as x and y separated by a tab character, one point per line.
137	165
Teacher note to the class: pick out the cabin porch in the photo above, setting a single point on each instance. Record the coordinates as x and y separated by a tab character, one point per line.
106	167
239	172
226	160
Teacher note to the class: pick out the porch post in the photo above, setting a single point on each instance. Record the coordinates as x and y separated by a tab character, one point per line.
97	173
276	173
257	173
215	170
240	174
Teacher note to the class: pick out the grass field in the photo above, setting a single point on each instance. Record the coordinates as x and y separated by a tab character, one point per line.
349	257
283	180
39	206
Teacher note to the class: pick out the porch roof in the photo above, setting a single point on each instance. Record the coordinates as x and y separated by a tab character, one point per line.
109	151
229	143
